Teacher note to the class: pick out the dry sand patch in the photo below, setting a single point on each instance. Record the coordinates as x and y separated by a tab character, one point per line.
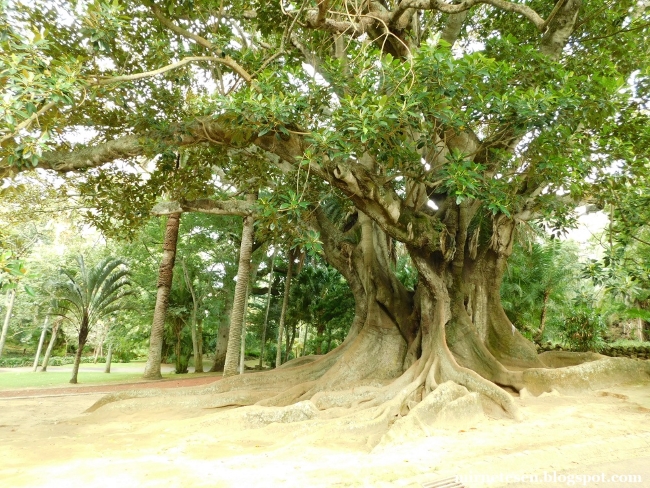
141	442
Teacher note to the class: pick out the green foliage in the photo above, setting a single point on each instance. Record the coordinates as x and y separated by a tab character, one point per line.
53	361
583	330
321	297
85	295
540	278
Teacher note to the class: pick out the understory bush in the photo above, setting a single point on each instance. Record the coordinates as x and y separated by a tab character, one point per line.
583	330
54	361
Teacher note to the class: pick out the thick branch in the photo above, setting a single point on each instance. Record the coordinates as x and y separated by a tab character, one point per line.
215	207
560	28
183	32
227	61
200	131
449	8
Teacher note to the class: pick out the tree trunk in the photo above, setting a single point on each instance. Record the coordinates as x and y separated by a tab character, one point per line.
291	338
268	308
83	336
222	342
99	349
542	319
5	325
255	264
165	275
242	351
304	341
329	342
320	330
109	358
285	305
180	361
40	343
50	346
198	359
221	346
198	367
239	302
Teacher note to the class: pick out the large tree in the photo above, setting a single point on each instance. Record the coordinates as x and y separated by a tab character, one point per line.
440	126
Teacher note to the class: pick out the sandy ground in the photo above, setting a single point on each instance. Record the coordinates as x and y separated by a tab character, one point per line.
50	441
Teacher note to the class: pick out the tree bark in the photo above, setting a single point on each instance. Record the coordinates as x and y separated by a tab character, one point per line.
40	343
268	308
198	359
242	351
290	339
239	302
304	341
165	275
5	326
285	305
199	340
320	330
542	319
83	336
109	358
221	346
50	346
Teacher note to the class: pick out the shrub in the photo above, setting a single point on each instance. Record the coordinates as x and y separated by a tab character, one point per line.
583	330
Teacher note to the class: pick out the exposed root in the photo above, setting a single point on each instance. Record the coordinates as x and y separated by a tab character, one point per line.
448	405
275	380
592	375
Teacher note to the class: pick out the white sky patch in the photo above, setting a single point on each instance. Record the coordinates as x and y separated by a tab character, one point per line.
432	205
589	225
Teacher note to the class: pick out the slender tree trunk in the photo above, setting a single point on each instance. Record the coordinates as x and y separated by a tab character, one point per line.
40	342
165	275
181	361
50	346
198	367
320	329
198	360
239	302
5	326
109	358
83	336
221	346
242	352
285	304
290	343
99	349
255	264
268	308
222	342
304	341
542	319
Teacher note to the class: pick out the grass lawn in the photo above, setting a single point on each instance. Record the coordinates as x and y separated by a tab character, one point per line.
12	381
59	376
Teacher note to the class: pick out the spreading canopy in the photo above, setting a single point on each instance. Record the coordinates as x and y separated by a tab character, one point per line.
438	125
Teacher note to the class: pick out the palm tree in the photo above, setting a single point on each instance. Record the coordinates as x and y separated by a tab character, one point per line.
87	295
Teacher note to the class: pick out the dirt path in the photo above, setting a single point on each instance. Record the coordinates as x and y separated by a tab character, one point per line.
181	441
104	389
